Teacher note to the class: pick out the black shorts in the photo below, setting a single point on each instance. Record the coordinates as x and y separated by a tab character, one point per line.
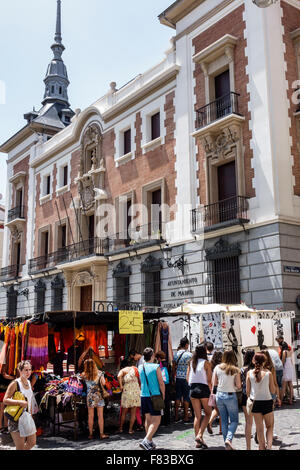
263	407
147	407
199	391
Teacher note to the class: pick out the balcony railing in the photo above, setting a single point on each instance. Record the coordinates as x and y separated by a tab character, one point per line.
227	104
134	238
226	212
90	247
16	213
9	272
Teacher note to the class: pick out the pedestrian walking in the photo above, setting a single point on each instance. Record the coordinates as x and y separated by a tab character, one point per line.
210	350
199	377
270	366
95	382
216	359
227	377
288	372
181	361
247	366
22	384
260	387
129	380
160	357
152	386
278	369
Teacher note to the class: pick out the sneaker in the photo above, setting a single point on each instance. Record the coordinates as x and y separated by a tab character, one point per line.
145	445
153	445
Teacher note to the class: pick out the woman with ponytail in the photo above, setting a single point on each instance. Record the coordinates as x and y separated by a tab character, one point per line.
199	377
260	387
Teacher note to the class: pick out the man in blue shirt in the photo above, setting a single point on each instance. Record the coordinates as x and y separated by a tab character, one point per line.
180	365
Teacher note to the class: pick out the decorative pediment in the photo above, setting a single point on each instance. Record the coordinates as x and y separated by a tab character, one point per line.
218	145
122	270
222	249
151	264
82	279
57	283
40	286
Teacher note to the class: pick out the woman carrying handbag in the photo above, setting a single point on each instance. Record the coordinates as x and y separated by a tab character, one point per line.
21	385
152	397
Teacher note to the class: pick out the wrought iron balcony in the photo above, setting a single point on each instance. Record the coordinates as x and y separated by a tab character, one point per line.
16	213
228	212
141	235
84	249
218	109
9	272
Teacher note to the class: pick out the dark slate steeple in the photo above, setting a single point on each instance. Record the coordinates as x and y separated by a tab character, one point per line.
56	80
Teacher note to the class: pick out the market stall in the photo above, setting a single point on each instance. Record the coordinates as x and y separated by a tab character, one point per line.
57	343
235	326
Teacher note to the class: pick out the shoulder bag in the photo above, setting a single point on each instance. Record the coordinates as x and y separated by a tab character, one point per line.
157	400
13	412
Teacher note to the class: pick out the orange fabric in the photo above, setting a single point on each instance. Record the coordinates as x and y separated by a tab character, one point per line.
17	351
11	361
96	336
67	335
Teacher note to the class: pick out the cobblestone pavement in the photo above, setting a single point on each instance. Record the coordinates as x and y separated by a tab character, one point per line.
181	437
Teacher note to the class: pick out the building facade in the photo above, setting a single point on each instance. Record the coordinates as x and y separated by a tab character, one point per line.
182	184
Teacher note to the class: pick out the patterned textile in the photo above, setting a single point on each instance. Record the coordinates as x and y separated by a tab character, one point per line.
37	347
131	396
183	363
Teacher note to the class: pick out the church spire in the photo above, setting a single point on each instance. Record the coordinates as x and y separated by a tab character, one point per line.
56	80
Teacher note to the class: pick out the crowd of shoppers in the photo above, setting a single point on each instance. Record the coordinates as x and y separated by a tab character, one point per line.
206	382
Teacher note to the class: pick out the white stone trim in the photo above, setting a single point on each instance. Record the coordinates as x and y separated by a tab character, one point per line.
152	108
120	128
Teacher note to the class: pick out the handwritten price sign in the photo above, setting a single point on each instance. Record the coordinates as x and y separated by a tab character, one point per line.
131	322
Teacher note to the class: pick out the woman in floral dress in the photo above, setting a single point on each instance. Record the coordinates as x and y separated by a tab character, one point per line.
94	382
129	380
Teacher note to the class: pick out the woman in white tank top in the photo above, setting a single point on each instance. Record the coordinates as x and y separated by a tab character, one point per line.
23	383
260	387
199	376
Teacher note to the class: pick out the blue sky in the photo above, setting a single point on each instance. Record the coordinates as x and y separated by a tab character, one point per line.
105	42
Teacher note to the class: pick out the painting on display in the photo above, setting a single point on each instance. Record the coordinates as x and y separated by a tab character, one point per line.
282	327
264	333
248	330
212	329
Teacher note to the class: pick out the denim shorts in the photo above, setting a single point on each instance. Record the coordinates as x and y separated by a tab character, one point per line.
279	374
182	390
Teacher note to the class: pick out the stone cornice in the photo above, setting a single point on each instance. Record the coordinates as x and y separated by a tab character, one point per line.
177	11
222	46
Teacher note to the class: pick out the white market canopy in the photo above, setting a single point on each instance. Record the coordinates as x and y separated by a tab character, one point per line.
237	310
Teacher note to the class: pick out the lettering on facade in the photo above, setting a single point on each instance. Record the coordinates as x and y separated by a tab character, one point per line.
292	269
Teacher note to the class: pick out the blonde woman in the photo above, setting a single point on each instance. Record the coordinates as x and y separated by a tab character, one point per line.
94	382
21	384
227	378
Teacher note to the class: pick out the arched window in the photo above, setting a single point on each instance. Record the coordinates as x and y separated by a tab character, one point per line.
40	290
57	293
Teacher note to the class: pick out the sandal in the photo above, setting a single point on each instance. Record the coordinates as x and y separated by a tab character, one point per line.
91	437
131	432
120	431
103	436
200	441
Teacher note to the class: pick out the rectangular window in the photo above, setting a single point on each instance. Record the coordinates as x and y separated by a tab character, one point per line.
127	141
48	180
121	290
152	289
224	285
155	126
65	175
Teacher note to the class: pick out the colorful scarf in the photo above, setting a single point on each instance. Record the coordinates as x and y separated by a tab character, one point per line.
37	348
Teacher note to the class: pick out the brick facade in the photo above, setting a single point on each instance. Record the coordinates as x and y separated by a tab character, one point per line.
290	22
233	24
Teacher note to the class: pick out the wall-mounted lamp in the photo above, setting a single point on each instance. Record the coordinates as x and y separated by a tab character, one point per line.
179	263
24	292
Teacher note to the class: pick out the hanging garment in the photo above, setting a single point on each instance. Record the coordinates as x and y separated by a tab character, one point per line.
37	348
96	336
164	337
164	325
4	349
17	350
119	346
24	335
67	338
12	348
